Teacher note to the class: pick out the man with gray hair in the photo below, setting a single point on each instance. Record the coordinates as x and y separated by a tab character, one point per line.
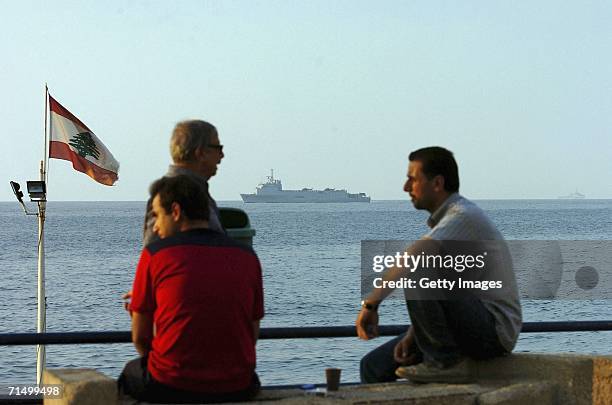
196	152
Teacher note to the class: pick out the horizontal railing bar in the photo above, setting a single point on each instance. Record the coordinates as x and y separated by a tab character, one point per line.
59	338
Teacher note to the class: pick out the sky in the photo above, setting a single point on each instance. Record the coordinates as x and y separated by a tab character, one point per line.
328	94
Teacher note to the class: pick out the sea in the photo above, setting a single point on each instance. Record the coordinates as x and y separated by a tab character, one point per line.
310	254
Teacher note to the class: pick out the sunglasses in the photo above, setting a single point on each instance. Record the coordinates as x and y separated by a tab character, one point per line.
218	147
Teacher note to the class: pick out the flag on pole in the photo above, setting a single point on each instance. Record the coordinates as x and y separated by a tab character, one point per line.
71	140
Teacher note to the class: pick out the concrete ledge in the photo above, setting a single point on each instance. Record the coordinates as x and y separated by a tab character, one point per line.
81	386
390	393
580	379
521	393
519	379
602	380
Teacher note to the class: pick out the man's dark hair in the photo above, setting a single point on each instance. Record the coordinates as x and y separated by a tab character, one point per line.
438	161
189	193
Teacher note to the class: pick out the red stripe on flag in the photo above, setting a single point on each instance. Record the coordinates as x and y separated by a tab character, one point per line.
59	109
60	150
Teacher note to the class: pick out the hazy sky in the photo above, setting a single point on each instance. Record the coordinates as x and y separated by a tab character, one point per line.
328	93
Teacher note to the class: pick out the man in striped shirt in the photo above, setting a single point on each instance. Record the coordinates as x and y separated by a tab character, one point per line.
444	334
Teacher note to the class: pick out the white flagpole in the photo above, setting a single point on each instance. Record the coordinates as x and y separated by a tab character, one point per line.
45	158
42	299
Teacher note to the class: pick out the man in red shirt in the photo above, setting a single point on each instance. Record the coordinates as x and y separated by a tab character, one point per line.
196	305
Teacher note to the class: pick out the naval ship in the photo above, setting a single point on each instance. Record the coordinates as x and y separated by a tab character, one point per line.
272	192
573	196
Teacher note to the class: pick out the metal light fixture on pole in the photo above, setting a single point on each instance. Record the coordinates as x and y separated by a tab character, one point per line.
38	193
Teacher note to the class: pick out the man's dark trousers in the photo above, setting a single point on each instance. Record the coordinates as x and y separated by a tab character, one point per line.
137	382
445	331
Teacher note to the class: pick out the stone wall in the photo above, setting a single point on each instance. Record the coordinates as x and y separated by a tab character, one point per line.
519	379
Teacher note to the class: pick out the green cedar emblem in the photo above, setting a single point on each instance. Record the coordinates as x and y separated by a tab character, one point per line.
84	145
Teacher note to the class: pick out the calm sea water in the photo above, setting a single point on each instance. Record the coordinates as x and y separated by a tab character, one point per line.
310	256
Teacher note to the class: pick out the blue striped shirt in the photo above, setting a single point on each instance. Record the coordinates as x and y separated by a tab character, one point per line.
460	219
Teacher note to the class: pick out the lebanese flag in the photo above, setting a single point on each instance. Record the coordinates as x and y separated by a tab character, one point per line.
71	140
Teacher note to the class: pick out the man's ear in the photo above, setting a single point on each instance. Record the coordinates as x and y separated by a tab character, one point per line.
438	183
199	152
176	212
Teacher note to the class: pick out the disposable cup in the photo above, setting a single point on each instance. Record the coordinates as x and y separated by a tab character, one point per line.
332	376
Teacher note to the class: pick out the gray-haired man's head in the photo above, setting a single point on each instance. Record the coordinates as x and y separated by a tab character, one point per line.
195	144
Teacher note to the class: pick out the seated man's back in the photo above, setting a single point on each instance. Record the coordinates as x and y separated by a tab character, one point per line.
196	304
205	291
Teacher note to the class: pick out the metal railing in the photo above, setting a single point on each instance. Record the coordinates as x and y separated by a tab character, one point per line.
60	338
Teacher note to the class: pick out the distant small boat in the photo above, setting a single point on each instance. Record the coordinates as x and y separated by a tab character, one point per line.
573	196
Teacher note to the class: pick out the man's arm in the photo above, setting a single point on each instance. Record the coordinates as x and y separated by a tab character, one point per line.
367	320
419	247
148	235
256	330
258	299
142	331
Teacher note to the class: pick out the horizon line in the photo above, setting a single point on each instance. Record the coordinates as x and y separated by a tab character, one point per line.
373	200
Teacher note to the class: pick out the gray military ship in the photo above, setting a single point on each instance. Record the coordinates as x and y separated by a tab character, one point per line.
573	196
272	192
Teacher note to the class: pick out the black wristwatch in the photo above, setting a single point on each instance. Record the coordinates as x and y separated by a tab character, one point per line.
368	306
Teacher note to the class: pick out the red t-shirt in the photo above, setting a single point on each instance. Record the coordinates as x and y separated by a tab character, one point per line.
204	290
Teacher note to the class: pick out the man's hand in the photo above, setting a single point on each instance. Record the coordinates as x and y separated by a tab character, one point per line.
406	352
127	297
367	324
